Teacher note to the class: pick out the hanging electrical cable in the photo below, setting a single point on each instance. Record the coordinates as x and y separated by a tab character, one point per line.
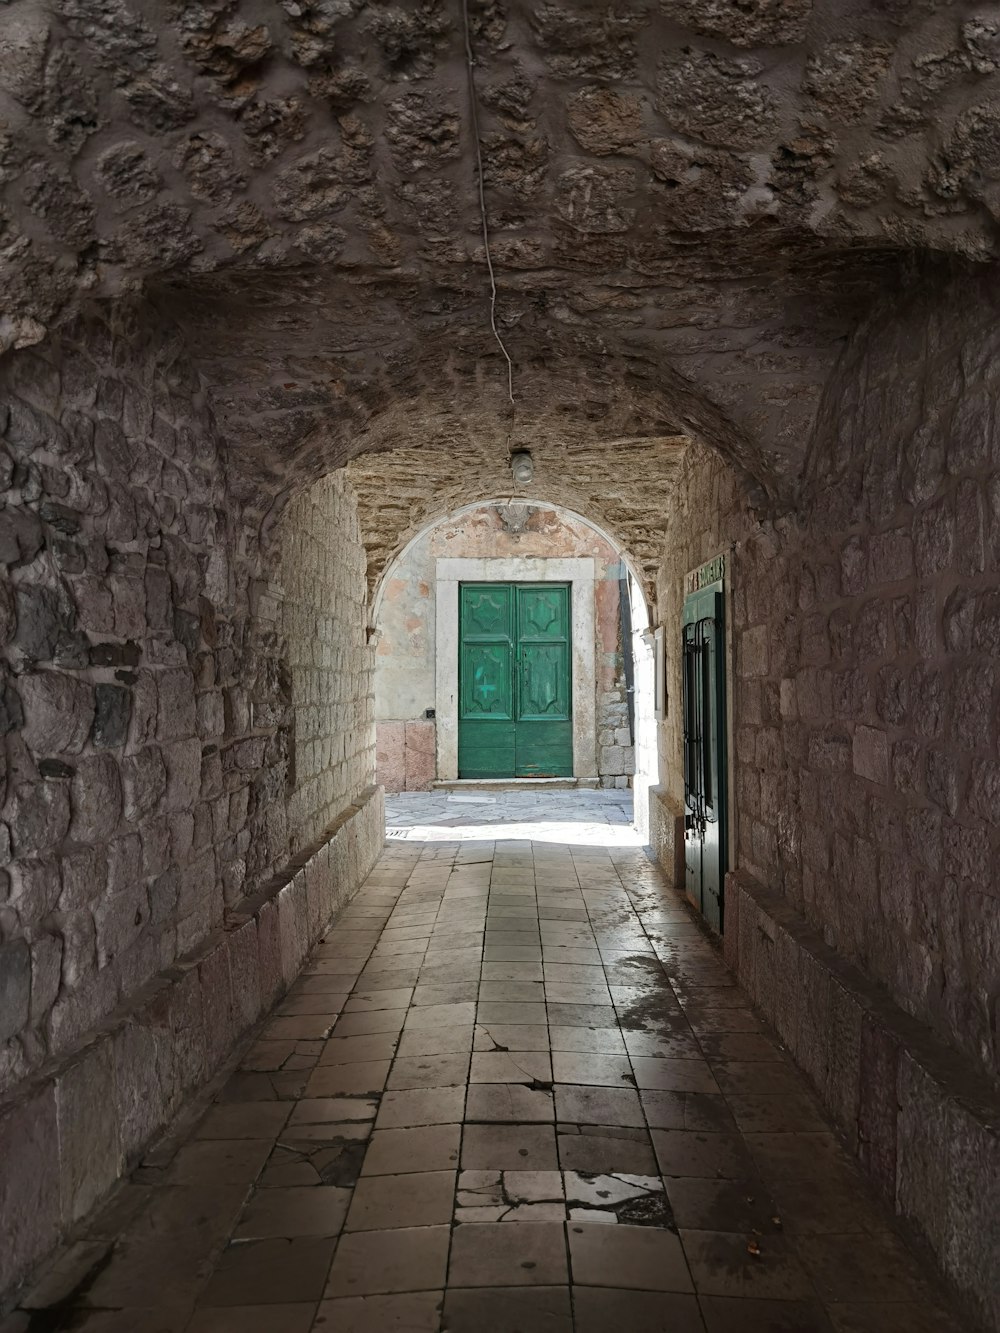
474	116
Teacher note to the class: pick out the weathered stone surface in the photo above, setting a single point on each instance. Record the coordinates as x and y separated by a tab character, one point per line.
8	617
89	1153
760	23
126	173
46	973
218	1001
84	875
112	708
206	158
41	620
973	1232
871	754
896	1093
844	77
715	98
596	199
58	712
34	887
244	974
144	781
29	1182
183	765
420	756
142	1083
390	764
616	760
96	797
923	1176
15	987
124	838
603	121
422	130
878	1106
221	166
869	598
176	711
38	814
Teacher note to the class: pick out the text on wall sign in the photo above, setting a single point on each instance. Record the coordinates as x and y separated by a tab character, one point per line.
712	571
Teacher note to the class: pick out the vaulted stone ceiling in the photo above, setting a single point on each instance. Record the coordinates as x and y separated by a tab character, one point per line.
622	484
690	206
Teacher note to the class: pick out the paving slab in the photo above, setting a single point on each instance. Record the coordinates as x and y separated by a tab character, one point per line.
513	1091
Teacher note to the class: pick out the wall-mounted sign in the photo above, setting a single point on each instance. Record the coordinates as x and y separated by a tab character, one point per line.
712	571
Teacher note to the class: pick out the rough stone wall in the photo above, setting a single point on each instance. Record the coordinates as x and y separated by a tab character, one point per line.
147	682
710	514
615	741
692	200
118	674
924	1125
405	628
322	617
405	655
621	485
867	634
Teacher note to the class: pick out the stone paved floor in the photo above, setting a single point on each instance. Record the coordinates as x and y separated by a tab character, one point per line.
514	1091
558	816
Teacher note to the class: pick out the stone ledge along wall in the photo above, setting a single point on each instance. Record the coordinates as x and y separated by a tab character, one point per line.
866	631
186	761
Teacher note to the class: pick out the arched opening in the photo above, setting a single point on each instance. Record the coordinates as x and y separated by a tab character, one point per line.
424	739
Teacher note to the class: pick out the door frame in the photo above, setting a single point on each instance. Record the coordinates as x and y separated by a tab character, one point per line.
580	573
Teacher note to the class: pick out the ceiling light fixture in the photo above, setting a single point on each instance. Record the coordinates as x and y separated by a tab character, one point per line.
523	467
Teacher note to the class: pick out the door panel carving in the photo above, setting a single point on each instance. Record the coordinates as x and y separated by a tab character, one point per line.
515	680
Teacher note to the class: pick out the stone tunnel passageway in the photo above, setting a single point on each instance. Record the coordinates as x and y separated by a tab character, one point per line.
514	1090
285	288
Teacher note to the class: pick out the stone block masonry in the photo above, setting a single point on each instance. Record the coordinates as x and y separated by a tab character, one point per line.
406	755
193	149
317	599
864	757
925	1130
83	1122
185	712
865	691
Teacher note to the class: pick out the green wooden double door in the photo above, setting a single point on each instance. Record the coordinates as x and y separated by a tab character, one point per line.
514	680
705	780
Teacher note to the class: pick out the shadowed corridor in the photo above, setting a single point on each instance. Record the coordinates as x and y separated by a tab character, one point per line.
514	1090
